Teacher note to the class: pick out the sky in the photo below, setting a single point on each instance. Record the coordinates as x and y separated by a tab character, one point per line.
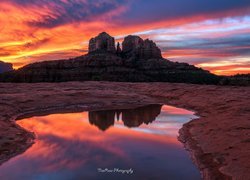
212	34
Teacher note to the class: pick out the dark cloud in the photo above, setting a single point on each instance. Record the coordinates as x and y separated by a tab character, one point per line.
235	45
139	12
15	49
143	11
54	55
6	51
63	12
35	44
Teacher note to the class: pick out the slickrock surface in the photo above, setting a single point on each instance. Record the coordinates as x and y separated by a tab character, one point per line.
219	141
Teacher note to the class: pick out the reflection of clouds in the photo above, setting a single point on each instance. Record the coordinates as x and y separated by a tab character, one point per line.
54	154
168	122
73	154
174	110
68	147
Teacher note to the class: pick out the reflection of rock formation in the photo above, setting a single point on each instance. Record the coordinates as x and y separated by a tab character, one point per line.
130	117
102	119
138	116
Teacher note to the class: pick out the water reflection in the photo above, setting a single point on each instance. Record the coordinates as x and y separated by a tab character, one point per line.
130	117
69	147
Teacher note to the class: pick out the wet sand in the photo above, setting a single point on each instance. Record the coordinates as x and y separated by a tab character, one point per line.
219	141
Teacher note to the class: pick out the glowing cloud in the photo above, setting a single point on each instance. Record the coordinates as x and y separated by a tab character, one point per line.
199	33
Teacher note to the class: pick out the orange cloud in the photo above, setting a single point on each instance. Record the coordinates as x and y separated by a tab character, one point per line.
33	32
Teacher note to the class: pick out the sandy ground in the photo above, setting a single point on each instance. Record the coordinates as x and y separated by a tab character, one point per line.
219	141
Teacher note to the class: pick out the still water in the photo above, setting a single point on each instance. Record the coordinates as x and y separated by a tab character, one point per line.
136	143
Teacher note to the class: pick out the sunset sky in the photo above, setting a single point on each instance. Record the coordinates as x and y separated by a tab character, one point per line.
212	34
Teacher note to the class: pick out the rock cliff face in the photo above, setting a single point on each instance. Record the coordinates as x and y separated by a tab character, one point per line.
4	67
102	42
139	48
131	43
138	61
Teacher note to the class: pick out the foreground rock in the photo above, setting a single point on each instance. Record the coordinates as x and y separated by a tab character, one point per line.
5	67
218	141
138	61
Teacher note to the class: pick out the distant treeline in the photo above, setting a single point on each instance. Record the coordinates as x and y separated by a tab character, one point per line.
236	80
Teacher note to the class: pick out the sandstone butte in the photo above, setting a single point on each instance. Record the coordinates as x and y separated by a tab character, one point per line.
137	61
218	141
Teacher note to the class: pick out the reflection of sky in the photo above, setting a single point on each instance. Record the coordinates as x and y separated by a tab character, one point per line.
68	147
167	123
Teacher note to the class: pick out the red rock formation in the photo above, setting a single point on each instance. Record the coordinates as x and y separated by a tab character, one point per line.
102	42
139	61
149	50
135	46
130	43
132	46
4	67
